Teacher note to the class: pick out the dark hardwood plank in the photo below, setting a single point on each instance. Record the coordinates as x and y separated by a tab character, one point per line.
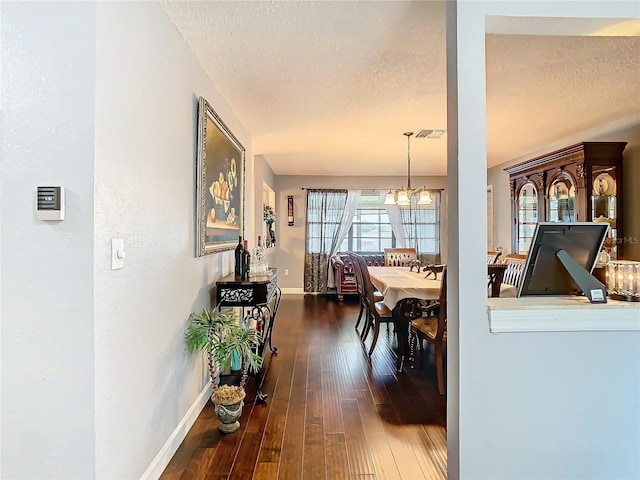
357	448
291	462
313	466
271	447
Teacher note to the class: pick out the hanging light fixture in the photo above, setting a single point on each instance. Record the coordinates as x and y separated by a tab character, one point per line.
403	196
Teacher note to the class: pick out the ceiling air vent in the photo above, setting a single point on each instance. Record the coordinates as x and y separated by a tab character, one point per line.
429	133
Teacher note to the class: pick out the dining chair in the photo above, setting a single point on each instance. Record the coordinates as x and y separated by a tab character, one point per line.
399	257
433	329
377	311
515	265
362	299
494	256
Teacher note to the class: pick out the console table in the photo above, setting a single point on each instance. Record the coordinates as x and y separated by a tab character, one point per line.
259	298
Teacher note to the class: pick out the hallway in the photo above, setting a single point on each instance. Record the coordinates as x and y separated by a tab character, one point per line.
330	413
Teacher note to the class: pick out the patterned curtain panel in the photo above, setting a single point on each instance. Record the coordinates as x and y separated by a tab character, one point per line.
421	228
325	214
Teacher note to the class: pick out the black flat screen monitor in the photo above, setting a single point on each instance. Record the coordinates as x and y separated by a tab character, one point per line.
548	273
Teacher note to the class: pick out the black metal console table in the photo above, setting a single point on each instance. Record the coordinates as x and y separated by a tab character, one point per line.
260	297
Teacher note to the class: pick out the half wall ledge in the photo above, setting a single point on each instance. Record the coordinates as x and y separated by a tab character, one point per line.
561	314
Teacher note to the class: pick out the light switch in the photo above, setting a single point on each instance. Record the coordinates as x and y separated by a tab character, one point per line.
117	253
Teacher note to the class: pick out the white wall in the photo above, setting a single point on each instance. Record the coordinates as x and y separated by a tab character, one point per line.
262	173
47	267
100	98
147	86
539	405
289	254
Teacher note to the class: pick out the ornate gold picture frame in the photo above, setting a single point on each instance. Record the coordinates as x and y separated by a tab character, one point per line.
219	184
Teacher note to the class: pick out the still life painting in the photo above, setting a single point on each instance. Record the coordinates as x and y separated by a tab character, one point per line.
220	184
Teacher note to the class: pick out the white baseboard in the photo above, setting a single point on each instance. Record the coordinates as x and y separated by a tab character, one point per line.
162	459
292	291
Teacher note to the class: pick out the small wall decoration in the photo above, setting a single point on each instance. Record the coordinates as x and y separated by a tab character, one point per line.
290	215
219	184
269	217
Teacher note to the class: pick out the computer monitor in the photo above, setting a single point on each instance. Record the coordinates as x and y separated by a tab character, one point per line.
561	258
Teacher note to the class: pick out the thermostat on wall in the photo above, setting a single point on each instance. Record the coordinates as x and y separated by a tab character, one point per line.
50	203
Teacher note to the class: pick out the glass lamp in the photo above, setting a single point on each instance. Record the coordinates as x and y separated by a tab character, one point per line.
622	280
390	199
403	197
425	197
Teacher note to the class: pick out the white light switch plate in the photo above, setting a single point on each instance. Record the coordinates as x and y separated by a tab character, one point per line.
117	253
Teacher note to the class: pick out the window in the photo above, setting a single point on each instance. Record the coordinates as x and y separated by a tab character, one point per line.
422	222
370	231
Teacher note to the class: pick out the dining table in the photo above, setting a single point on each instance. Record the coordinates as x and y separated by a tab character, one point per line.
404	292
402	287
398	283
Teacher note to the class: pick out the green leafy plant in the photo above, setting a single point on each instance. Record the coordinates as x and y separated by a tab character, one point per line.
220	335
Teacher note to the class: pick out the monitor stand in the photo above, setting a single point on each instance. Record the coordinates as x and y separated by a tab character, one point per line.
590	285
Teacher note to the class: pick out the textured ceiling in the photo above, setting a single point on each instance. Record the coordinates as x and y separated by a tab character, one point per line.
329	87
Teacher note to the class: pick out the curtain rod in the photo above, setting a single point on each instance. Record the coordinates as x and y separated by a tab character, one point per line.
372	189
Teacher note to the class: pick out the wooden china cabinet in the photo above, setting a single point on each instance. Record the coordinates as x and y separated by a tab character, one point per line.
579	183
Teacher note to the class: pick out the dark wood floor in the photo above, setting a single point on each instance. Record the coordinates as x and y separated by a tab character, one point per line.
332	413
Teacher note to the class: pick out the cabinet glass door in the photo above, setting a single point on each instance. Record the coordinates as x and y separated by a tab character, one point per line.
562	196
527	215
604	204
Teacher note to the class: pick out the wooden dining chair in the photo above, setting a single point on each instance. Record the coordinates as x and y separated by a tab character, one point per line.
377	312
362	299
399	257
494	256
433	329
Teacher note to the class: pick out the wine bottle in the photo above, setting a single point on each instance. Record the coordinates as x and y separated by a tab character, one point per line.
246	261
239	258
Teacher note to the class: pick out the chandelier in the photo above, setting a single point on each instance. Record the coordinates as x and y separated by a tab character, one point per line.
403	195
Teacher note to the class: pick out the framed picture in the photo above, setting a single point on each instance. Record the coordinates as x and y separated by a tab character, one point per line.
219	184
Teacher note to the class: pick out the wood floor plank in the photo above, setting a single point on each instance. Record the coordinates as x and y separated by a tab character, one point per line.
199	465
357	448
291	462
335	446
438	437
185	452
271	447
426	454
266	471
313	465
245	461
405	459
384	463
331	403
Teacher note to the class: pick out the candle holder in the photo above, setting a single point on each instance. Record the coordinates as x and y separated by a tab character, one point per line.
622	280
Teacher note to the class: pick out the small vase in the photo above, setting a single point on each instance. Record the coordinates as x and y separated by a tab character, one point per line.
228	414
272	235
236	361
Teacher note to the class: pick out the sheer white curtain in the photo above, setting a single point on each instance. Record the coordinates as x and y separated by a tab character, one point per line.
421	228
395	218
353	197
329	212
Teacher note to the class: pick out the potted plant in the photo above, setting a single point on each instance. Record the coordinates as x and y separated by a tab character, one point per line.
227	344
